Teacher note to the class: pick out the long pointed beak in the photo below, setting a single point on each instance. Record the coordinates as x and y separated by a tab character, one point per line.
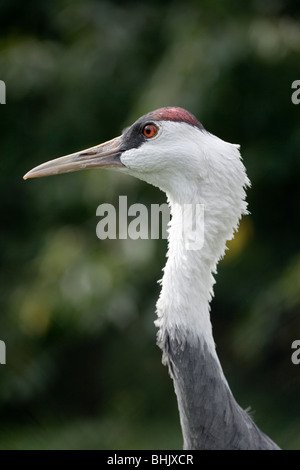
104	155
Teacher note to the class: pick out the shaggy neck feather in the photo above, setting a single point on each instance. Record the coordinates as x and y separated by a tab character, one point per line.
183	307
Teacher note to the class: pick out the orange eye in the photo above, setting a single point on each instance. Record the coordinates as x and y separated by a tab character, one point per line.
150	130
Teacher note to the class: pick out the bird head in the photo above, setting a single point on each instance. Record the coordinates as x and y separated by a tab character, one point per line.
168	148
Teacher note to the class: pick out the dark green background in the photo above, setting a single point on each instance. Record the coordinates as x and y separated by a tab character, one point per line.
76	313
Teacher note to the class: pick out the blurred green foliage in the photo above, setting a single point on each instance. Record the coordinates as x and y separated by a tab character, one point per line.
83	370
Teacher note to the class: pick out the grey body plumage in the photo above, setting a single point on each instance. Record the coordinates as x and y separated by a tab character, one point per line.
211	419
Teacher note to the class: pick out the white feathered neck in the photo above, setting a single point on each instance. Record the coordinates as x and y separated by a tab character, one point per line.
187	284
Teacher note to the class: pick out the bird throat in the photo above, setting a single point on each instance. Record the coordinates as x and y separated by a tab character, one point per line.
183	308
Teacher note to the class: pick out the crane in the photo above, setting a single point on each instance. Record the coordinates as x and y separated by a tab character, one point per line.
169	148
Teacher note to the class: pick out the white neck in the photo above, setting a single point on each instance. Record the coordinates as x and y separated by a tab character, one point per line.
183	308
